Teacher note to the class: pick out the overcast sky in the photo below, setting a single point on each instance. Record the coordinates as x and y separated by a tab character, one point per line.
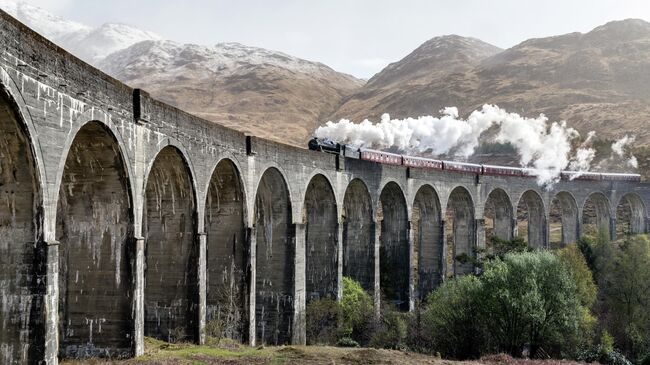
358	37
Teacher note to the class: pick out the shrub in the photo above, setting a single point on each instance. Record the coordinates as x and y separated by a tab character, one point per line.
390	332
530	299
323	322
356	311
577	266
452	318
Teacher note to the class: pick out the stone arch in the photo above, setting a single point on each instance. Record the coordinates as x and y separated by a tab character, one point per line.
498	215
531	219
460	232
171	254
22	263
228	274
427	240
359	235
392	213
321	239
275	254
563	219
596	214
94	227
630	215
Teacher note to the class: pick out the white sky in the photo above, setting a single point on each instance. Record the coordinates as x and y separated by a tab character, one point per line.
359	37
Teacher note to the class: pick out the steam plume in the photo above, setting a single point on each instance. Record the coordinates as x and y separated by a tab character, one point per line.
547	147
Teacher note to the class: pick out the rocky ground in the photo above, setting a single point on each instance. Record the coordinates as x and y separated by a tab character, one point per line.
160	353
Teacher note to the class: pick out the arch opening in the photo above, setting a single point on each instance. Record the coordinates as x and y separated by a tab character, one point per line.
427	241
531	219
358	236
275	254
228	274
498	216
394	247
94	227
321	243
596	215
171	290
460	233
563	220
630	215
21	257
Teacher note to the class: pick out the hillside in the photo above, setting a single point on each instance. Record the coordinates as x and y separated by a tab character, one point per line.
596	81
255	90
263	92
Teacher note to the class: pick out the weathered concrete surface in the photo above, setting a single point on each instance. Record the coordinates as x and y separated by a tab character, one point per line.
187	221
228	274
94	226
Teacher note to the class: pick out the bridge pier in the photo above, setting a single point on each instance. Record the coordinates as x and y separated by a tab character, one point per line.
299	335
252	295
202	286
52	303
412	270
445	251
138	297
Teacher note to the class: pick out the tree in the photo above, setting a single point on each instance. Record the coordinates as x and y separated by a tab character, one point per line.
453	318
530	299
626	294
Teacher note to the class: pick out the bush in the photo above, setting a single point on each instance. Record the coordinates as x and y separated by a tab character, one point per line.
452	318
345	323
356	312
390	332
530	300
323	318
577	266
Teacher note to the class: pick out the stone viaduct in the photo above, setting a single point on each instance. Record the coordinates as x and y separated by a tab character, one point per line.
122	217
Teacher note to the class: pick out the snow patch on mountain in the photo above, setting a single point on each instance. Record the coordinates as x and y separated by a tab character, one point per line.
167	58
88	43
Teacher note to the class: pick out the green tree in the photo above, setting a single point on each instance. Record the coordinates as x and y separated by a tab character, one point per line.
356	311
530	299
626	294
453	318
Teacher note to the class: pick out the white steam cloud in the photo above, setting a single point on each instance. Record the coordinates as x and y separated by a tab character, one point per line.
547	147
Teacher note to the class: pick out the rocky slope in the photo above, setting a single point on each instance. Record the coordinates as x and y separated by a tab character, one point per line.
259	91
255	90
596	81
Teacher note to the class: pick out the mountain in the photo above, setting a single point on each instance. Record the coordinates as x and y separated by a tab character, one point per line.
403	88
596	81
88	43
259	91
263	92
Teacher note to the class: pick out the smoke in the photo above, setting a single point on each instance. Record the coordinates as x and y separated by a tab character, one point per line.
621	154
541	145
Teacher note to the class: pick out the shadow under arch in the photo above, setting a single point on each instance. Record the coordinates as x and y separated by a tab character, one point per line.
563	219
394	271
321	239
171	252
630	215
596	215
274	260
227	269
22	250
531	219
498	215
95	226
460	232
359	235
427	240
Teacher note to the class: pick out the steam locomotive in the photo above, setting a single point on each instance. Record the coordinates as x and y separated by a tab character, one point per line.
387	158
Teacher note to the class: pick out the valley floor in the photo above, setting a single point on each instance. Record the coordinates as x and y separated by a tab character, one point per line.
160	353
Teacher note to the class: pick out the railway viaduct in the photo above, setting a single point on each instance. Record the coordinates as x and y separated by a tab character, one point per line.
122	217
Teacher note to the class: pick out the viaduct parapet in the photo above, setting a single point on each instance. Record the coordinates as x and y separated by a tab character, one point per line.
122	217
